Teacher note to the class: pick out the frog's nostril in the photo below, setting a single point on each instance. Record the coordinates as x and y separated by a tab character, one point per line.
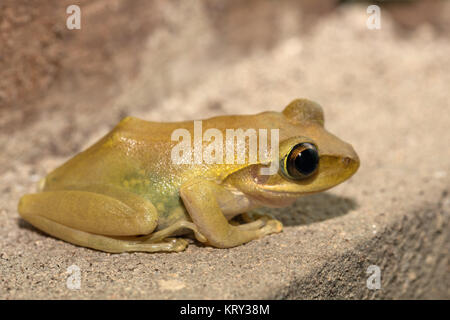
346	161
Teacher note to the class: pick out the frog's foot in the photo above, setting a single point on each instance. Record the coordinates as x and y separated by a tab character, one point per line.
252	216
167	245
255	220
265	224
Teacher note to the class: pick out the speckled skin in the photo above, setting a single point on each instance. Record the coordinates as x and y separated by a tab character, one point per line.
131	168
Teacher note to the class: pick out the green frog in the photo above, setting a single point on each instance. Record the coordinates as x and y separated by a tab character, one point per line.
126	193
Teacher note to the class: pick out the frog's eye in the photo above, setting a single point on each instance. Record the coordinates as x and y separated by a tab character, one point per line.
302	161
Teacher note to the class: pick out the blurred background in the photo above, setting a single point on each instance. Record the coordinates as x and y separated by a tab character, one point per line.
386	91
215	56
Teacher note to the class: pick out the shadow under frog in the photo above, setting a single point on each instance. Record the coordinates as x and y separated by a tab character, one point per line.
313	209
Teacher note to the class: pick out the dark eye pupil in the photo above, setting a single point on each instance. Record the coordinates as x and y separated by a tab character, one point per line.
307	161
302	161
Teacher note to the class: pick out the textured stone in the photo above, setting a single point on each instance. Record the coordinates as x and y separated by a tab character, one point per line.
384	91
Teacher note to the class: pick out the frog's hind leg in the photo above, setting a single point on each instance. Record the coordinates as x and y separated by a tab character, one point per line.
98	217
103	243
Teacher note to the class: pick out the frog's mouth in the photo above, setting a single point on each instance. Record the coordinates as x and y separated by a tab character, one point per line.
278	188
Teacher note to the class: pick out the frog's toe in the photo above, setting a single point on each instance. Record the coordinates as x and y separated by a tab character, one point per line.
177	244
263	226
255	221
272	226
167	245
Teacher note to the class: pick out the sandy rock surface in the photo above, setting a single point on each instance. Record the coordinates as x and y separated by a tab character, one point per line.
385	92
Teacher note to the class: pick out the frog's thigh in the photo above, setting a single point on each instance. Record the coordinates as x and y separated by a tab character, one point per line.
199	198
114	212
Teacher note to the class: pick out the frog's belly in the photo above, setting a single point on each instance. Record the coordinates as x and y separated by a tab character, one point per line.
170	212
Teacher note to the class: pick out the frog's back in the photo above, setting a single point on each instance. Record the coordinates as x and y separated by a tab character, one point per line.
131	146
136	154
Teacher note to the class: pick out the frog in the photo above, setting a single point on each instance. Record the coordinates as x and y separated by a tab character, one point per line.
126	194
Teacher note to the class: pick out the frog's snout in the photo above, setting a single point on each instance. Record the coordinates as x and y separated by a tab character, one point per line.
350	160
347	161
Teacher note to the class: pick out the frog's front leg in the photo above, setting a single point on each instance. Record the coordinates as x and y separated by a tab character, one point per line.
98	216
200	199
